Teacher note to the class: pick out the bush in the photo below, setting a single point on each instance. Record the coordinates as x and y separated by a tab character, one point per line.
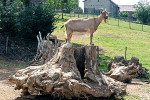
26	22
123	14
33	20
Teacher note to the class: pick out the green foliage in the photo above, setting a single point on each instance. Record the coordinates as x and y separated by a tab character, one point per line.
26	22
33	20
9	16
123	14
63	4
142	12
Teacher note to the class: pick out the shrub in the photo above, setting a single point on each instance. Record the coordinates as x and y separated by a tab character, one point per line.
33	20
123	14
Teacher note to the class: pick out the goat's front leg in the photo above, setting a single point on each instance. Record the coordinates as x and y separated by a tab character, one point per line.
91	37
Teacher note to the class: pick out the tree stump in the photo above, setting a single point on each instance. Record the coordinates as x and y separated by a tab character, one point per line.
124	70
60	76
86	60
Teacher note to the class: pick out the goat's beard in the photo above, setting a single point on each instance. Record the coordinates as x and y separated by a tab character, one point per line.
105	20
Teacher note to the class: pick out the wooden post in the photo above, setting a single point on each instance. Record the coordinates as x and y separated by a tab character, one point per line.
118	21
129	24
142	26
7	45
126	53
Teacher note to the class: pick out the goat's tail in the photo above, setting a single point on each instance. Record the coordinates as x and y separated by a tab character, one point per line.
62	26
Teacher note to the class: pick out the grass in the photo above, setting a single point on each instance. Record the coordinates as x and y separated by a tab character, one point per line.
113	40
135	96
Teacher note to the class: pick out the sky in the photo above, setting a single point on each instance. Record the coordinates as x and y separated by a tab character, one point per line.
127	2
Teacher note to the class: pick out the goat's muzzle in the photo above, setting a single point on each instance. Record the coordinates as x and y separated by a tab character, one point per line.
106	17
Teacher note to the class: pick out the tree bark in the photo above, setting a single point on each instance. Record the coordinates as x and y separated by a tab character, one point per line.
124	70
45	50
60	76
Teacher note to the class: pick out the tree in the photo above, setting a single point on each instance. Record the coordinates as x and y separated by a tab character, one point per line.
25	22
63	4
142	12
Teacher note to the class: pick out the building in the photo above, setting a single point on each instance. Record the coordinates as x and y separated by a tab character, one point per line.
127	8
92	6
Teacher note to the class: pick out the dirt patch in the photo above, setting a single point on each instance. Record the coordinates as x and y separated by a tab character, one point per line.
110	36
80	35
138	90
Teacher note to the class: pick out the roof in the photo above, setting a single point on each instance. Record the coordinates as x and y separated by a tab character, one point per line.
84	0
127	8
109	0
113	2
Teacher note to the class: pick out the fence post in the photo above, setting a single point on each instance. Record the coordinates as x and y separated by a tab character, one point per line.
126	53
118	21
6	45
78	13
129	24
142	26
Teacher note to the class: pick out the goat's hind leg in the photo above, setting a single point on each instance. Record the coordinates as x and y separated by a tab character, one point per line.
68	37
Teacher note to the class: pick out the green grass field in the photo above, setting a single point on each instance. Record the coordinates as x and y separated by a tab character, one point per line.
113	40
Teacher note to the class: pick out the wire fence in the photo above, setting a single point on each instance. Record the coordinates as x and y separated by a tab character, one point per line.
122	22
130	23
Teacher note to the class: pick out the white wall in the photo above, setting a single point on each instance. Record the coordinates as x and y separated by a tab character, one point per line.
81	4
95	4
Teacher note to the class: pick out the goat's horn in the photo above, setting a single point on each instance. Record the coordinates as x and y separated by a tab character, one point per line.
105	9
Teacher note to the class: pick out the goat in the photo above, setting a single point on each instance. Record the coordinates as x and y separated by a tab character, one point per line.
88	25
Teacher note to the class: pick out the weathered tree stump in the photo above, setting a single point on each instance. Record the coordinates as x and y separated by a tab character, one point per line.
60	77
45	50
86	60
123	70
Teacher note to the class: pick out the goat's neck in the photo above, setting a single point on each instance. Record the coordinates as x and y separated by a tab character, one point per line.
99	20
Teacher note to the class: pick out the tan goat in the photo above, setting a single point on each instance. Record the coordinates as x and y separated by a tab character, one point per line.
88	25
